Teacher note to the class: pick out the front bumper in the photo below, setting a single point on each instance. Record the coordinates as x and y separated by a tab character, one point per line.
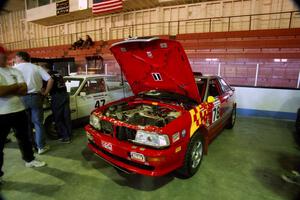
158	162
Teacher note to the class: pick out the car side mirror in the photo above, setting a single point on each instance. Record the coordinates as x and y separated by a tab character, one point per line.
82	94
210	99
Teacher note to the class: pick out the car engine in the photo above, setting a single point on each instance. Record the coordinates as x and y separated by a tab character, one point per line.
142	114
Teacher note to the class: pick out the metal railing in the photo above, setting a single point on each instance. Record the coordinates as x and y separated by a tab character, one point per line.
278	20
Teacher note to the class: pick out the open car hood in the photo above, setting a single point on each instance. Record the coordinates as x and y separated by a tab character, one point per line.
156	64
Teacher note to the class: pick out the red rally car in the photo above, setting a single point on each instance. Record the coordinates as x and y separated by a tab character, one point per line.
172	117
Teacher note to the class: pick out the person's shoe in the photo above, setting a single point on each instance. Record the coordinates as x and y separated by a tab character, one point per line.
292	177
35	163
65	140
43	150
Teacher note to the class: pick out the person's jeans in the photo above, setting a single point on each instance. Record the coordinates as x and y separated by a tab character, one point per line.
34	107
18	121
60	103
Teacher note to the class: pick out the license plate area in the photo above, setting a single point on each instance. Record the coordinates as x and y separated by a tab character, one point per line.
137	156
106	145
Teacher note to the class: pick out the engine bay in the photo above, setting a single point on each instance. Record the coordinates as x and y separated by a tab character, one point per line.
142	114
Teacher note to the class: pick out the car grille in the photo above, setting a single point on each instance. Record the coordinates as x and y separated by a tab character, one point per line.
122	133
125	133
107	127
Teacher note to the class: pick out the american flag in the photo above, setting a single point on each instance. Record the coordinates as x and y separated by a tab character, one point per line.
105	6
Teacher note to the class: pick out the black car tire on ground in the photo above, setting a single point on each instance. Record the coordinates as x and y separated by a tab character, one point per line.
232	119
195	151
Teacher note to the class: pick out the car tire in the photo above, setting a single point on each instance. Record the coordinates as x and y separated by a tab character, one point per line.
50	128
193	156
232	119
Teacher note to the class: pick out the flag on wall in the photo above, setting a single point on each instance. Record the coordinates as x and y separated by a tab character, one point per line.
105	6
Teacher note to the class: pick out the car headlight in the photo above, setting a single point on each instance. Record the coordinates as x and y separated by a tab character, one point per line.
95	121
151	139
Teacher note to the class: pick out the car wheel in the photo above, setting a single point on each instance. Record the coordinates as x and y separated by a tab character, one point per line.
231	120
193	156
50	128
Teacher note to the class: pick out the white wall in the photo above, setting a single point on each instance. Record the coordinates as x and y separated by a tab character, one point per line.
277	100
49	10
41	12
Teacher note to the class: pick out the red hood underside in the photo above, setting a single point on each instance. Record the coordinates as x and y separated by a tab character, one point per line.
156	64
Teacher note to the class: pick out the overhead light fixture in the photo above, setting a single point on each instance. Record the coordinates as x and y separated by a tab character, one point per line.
211	59
284	60
280	60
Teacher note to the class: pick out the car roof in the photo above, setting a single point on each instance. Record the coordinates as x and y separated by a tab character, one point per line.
206	77
89	76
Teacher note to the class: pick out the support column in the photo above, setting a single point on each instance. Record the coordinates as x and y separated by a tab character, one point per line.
256	74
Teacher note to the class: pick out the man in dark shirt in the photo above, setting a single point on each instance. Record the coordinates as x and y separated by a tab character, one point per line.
77	44
88	42
60	105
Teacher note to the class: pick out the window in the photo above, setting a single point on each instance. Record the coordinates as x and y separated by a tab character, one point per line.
72	85
224	86
43	2
213	89
94	86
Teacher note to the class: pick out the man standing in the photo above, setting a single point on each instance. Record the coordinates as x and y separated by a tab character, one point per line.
12	113
60	104
33	100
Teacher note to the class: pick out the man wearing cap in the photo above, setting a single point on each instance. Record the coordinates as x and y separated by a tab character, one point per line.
33	99
12	113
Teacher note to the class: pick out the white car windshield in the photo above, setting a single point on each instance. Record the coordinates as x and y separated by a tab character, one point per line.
73	84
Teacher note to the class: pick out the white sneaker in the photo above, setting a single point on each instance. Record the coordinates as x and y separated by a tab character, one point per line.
43	150
35	163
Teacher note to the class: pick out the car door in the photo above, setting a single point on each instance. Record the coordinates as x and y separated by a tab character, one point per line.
215	107
227	101
93	94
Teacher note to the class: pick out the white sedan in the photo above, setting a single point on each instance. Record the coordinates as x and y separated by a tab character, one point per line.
86	93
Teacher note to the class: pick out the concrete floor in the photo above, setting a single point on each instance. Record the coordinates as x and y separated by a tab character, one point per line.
243	163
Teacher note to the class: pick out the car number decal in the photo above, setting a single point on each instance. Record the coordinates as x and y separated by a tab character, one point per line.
216	111
99	103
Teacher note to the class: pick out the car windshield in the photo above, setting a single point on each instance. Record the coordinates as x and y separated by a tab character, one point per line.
167	97
73	84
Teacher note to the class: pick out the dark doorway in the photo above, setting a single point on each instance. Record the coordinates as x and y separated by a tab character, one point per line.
64	66
95	64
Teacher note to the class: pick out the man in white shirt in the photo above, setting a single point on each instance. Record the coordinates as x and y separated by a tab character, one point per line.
33	100
12	113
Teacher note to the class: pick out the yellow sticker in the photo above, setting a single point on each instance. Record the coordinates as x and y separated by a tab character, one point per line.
178	149
196	120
